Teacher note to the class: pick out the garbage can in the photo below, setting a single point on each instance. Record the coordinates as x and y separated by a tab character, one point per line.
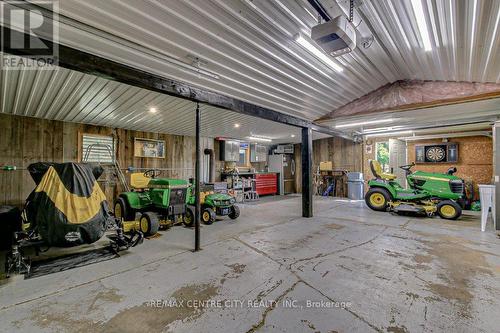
355	185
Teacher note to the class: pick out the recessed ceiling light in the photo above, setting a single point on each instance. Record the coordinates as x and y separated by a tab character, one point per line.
236	125
293	135
317	52
152	110
418	10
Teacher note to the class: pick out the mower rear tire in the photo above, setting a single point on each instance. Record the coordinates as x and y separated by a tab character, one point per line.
208	216
378	198
189	217
149	224
123	210
235	212
449	210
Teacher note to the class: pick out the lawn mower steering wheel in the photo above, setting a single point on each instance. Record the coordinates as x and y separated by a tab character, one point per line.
407	167
152	173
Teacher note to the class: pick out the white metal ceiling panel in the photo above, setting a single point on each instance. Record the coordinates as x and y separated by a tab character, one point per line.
71	96
249	45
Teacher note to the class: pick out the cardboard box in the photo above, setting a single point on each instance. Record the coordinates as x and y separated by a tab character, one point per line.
326	166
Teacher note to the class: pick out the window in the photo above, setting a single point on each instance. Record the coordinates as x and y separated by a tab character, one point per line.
98	148
243	154
382	155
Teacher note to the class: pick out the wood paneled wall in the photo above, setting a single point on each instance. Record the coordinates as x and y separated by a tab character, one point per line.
25	140
345	154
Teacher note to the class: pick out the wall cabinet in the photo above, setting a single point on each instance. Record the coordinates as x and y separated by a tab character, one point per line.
229	151
258	153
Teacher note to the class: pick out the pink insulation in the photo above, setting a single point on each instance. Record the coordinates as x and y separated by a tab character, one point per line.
412	93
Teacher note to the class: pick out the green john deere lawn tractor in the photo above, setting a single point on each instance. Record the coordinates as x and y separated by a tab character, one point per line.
214	204
428	193
160	202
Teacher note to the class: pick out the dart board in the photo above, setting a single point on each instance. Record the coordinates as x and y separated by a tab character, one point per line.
437	153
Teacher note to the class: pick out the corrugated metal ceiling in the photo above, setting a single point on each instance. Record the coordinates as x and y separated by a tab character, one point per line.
250	45
72	96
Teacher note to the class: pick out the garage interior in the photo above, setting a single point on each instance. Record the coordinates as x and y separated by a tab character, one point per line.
212	166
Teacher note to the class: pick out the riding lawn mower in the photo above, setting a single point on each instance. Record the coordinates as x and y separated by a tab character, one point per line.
428	193
163	202
160	201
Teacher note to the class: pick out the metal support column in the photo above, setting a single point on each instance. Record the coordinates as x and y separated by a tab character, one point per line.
496	171
306	158
197	179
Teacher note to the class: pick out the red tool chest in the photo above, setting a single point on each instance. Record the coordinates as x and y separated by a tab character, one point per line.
266	183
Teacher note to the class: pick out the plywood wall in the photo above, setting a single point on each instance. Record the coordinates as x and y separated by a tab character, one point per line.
25	140
345	154
475	159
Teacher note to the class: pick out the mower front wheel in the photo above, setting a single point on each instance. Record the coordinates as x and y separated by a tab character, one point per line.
377	198
149	224
235	212
189	217
123	210
208	216
449	210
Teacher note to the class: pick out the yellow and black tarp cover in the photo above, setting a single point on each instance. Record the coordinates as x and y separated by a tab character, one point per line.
67	206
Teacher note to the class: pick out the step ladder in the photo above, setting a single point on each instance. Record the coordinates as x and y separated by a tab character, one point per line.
100	148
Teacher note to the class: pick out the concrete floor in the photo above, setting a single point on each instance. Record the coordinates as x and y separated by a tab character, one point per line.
348	269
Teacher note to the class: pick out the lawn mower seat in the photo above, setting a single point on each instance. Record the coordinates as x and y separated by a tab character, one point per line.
138	181
377	171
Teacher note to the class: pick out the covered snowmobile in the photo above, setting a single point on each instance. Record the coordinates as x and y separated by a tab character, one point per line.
66	208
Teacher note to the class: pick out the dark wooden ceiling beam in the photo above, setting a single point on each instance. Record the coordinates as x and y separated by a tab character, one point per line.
84	62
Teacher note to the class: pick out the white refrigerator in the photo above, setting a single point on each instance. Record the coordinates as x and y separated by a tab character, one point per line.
283	164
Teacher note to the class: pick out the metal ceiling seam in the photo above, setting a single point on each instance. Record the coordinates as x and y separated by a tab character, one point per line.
167	105
211	85
97	99
257	58
392	66
80	104
175	115
108	111
139	115
392	51
86	81
93	114
304	57
235	81
274	56
46	92
59	92
437	56
120	94
132	116
412	35
494	40
17	91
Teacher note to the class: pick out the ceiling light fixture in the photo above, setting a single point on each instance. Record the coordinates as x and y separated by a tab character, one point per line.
299	38
254	138
418	10
236	125
293	135
388	134
152	110
361	123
